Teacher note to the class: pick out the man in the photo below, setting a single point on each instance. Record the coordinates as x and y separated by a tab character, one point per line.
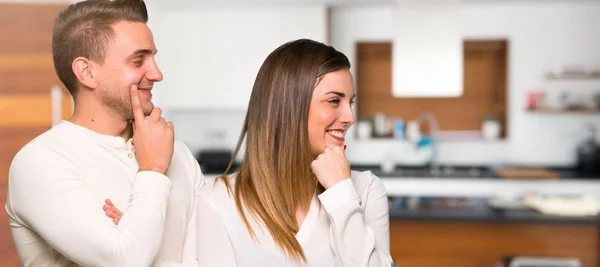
104	54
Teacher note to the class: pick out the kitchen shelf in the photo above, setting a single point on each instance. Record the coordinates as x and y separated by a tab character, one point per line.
565	111
573	76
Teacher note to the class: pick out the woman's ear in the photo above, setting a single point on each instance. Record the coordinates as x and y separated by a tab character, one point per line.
83	69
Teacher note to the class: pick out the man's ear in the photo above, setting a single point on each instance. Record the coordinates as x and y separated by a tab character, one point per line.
83	69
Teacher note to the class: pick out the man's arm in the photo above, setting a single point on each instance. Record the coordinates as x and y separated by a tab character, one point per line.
47	194
190	246
189	256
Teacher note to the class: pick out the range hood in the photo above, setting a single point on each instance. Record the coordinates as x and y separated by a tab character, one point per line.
427	53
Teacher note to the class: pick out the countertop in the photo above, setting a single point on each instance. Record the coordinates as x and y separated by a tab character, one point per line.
479	211
463	172
450	172
473	181
477	184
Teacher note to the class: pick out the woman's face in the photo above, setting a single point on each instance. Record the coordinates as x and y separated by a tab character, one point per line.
330	113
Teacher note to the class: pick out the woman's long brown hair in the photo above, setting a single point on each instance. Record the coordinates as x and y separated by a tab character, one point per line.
275	177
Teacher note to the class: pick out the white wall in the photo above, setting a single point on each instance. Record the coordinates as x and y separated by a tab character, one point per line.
542	35
211	56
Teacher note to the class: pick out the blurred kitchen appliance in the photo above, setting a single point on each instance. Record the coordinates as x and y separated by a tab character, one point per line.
526	261
588	151
214	161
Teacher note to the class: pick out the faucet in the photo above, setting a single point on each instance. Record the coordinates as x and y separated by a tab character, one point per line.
434	129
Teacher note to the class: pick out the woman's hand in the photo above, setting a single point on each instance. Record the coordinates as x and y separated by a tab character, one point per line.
112	212
331	167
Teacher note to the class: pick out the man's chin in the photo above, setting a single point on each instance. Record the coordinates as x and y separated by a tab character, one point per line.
147	108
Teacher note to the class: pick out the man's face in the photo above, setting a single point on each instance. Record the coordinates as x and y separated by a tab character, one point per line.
129	60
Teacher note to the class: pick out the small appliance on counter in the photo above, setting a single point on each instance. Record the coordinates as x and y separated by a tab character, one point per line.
588	151
214	161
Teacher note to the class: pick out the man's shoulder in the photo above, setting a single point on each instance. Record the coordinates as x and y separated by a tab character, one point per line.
182	152
181	146
185	160
49	141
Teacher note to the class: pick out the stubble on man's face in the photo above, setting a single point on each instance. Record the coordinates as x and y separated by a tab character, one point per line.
118	102
125	65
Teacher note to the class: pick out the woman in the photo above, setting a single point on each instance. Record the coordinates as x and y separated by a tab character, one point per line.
294	201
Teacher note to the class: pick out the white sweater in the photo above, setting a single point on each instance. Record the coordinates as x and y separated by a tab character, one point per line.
57	187
351	229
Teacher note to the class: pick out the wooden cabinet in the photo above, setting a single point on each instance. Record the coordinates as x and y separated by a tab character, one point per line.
482	244
26	76
484	94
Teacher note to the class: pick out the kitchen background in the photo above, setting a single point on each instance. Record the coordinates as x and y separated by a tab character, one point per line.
522	123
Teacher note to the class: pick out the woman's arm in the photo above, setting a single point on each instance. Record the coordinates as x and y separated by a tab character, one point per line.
359	237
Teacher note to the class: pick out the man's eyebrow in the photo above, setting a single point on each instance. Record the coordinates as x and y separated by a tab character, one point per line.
141	52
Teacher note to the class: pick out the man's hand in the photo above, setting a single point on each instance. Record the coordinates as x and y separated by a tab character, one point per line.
153	137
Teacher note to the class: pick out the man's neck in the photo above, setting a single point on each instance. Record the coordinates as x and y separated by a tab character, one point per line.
100	119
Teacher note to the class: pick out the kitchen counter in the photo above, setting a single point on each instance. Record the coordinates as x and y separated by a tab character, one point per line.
444	171
472	182
478	211
464	172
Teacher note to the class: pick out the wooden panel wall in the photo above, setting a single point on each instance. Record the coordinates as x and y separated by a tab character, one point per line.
26	76
484	94
479	244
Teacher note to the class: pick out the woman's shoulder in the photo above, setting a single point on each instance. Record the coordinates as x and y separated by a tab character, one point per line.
365	180
216	194
217	187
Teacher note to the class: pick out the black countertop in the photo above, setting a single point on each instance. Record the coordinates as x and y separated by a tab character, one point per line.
474	172
444	171
477	210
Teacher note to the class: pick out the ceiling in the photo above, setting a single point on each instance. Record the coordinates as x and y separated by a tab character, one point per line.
247	3
254	3
229	3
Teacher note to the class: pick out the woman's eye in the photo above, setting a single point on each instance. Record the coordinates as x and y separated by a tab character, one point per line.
334	101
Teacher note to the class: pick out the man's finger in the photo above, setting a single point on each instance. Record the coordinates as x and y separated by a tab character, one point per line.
136	105
162	121
155	115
